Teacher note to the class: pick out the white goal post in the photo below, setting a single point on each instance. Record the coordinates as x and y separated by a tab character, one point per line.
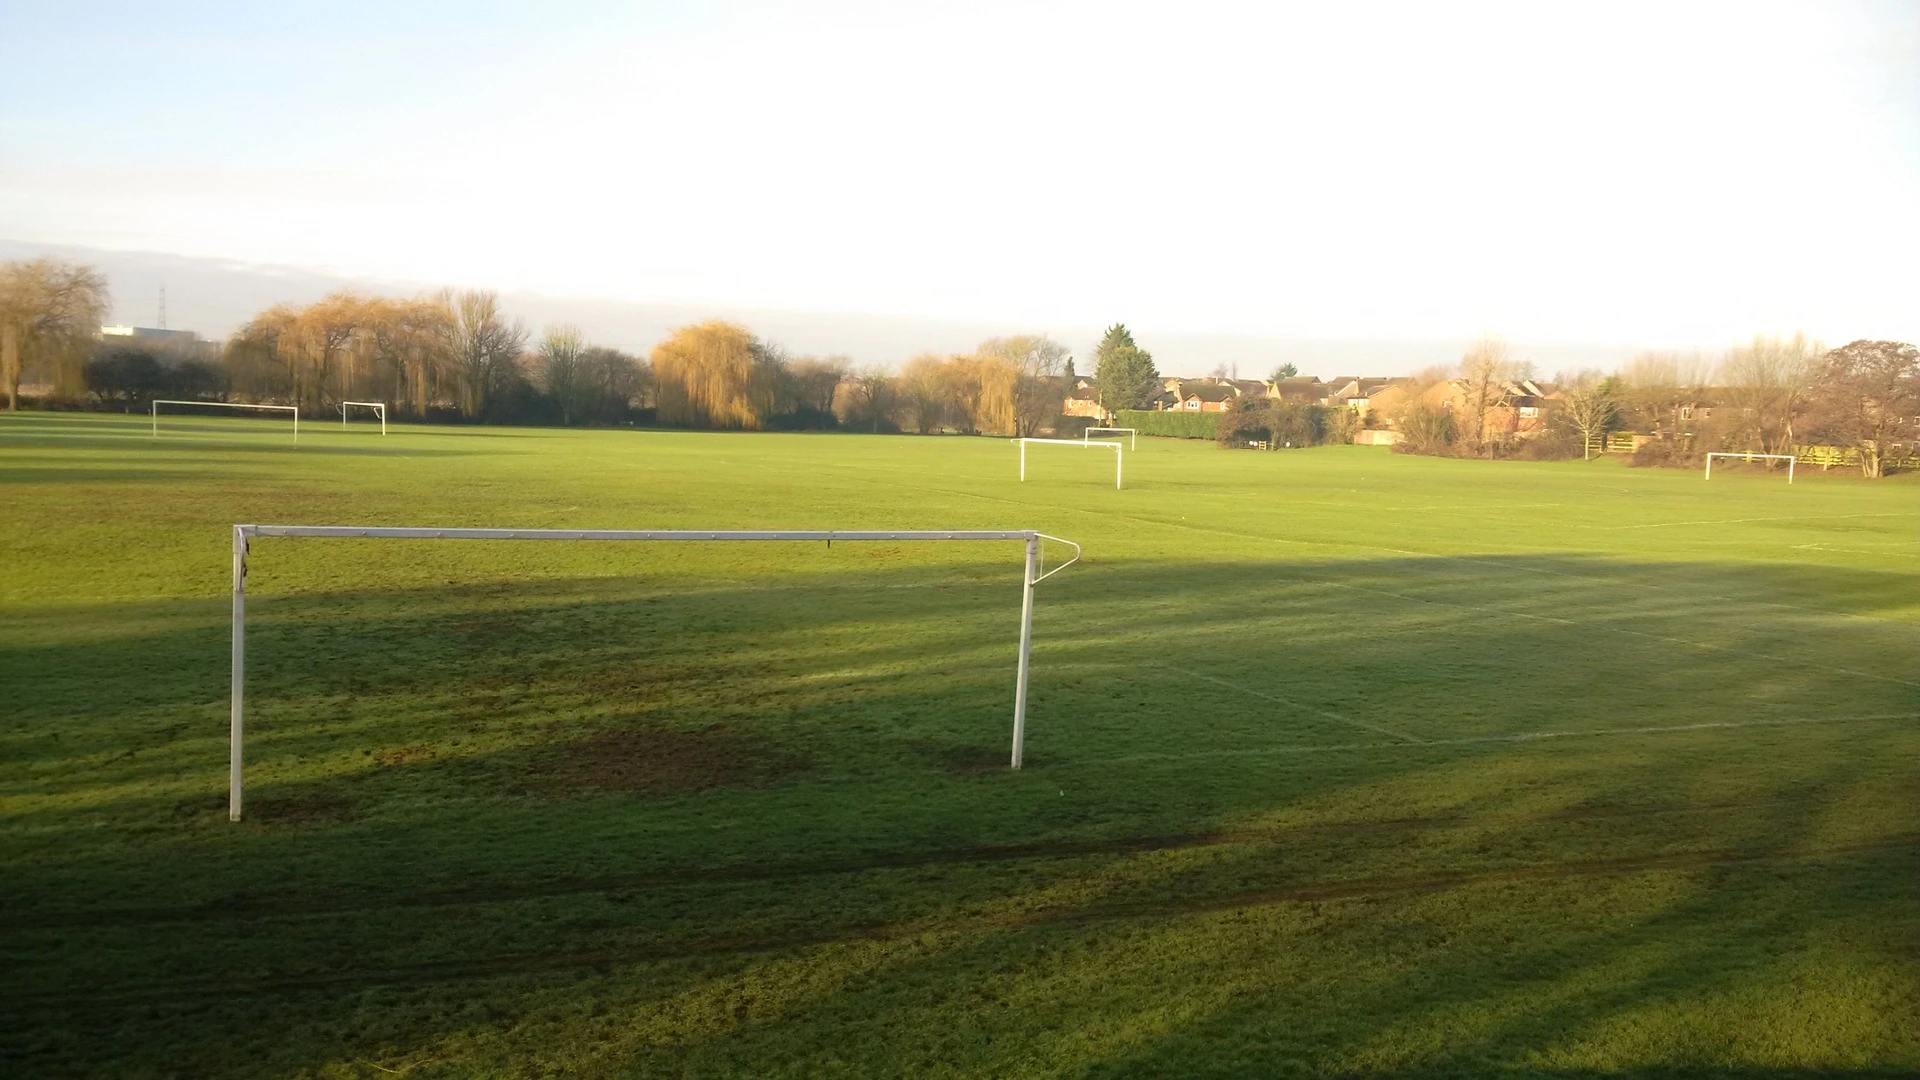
379	407
1132	434
1788	458
294	409
243	536
1083	444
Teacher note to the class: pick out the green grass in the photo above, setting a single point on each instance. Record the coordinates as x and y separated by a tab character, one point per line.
1340	763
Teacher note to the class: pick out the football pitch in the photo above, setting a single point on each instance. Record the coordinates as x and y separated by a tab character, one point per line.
1338	762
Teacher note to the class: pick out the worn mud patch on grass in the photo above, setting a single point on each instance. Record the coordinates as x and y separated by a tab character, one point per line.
401	755
966	760
301	808
661	761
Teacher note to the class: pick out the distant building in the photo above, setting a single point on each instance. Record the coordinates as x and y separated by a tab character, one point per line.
180	344
148	335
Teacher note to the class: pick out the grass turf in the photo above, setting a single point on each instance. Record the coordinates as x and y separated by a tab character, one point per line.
1340	763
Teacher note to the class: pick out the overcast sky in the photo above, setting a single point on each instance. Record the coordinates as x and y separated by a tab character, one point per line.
1664	174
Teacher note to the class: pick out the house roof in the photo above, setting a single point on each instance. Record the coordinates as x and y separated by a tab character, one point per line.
1206	391
1299	388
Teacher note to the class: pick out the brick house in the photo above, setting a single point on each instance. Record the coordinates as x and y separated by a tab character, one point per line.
1300	389
1199	395
1080	400
1518	407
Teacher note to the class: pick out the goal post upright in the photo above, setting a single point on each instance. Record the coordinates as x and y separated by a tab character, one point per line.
1026	651
1790	459
379	408
237	693
243	536
154	408
1083	443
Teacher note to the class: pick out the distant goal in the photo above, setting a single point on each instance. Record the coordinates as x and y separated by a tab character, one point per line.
1084	444
294	409
1788	458
244	535
379	409
1132	434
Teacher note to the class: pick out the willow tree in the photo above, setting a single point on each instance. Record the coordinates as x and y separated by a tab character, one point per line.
318	347
714	375
1040	365
50	313
996	382
410	347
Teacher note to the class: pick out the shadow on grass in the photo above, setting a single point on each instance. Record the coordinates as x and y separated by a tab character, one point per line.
1234	875
82	475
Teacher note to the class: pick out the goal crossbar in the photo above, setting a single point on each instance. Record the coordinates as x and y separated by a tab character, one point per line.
1132	434
379	407
1083	444
294	409
1744	456
243	536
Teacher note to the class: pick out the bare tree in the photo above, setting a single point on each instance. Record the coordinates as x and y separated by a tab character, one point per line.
815	380
1590	406
1485	371
867	397
563	369
485	346
618	382
1867	395
1659	385
1766	382
50	312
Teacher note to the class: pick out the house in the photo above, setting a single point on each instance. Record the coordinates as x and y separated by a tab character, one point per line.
1515	407
1356	393
1300	389
1081	401
1388	401
1200	396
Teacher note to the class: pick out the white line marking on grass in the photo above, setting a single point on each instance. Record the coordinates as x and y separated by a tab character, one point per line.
1743	521
1857	551
1314	709
1522	737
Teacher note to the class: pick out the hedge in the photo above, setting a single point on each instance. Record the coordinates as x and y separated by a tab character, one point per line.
1179	425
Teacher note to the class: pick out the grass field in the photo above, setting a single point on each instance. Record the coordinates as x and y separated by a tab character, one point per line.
1339	763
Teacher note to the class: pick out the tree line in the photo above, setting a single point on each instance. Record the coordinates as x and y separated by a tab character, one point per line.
458	356
1771	395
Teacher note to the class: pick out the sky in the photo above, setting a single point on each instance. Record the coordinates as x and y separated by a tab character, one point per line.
1670	175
